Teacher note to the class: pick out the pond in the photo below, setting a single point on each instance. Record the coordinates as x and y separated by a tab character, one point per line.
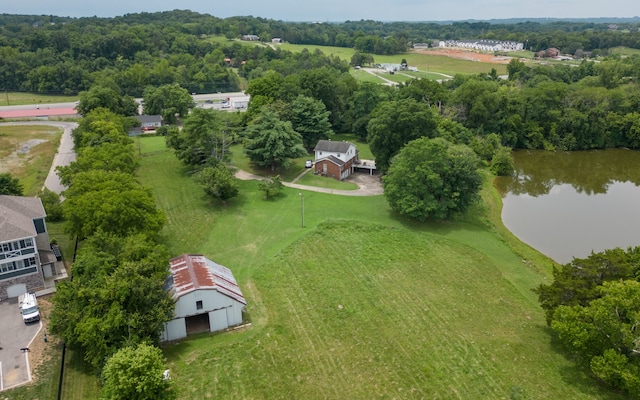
568	204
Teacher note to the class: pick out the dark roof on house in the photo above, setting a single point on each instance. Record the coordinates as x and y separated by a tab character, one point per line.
146	119
192	272
16	217
334	160
331	146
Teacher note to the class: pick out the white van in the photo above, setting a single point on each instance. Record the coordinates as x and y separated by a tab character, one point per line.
28	304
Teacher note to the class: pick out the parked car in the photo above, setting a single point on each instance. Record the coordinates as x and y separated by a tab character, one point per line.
308	164
28	304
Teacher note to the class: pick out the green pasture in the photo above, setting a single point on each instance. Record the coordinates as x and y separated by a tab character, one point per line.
624	51
344	53
424	62
20	98
361	301
363	76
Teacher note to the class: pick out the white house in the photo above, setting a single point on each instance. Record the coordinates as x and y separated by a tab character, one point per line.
335	159
26	256
206	296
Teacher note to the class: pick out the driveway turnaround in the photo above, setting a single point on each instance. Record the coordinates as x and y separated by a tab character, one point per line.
15	339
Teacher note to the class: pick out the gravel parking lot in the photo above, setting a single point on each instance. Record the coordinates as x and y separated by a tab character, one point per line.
14	336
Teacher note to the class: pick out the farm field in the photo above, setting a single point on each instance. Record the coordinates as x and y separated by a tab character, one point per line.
27	152
360	303
423	60
20	98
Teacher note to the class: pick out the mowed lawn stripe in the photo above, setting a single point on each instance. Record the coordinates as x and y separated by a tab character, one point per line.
354	310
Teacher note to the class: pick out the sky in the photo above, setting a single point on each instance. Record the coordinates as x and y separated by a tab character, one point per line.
337	10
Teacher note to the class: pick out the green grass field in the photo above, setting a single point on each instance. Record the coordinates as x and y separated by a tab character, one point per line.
360	303
424	62
20	98
624	51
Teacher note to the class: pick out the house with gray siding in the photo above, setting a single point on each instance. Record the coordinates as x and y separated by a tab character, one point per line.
26	257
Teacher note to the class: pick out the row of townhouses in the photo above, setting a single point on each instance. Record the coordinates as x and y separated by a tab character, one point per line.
483	45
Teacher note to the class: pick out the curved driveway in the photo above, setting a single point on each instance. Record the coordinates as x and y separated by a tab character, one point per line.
368	185
65	154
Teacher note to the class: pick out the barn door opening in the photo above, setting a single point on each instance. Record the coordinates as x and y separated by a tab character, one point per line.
197	323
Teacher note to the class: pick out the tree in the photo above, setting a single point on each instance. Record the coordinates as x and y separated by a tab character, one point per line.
218	182
393	124
112	202
432	178
106	97
272	142
9	185
363	102
310	118
502	162
115	298
272	187
102	126
115	157
577	283
167	100
52	205
604	334
136	373
202	140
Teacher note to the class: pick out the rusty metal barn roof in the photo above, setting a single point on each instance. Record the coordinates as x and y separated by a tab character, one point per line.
194	271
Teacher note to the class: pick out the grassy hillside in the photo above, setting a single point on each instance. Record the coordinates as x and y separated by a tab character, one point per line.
357	310
360	303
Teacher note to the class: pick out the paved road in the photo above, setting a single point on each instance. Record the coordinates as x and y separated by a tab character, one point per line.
65	154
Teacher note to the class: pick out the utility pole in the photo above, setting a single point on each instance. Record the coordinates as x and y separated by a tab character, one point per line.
302	203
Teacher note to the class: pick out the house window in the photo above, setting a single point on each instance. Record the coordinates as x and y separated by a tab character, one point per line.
39	224
199	305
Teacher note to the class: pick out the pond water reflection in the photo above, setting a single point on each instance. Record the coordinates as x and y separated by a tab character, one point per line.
568	204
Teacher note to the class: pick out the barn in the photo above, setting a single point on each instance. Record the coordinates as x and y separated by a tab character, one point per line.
206	295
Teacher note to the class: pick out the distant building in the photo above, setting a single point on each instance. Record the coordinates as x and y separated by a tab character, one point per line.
250	37
483	45
277	40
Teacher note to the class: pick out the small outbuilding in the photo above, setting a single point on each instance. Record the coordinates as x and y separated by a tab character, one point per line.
206	295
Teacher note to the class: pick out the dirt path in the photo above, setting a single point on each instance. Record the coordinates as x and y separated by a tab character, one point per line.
368	185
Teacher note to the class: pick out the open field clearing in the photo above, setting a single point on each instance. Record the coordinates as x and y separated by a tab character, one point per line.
20	98
27	153
624	51
354	310
360	304
425	60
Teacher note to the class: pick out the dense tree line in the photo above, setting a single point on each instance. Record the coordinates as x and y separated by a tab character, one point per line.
593	305
66	55
115	299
